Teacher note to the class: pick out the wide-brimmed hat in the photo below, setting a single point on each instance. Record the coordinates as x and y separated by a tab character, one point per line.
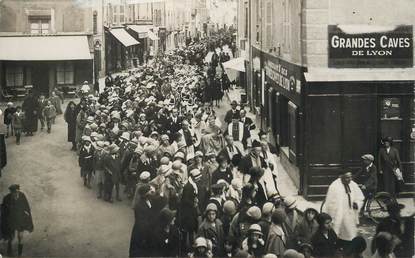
86	138
145	175
195	174
290	202
114	148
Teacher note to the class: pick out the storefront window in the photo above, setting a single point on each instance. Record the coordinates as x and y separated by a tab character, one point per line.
391	108
65	73
14	76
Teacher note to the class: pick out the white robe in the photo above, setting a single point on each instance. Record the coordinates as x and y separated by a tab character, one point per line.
345	219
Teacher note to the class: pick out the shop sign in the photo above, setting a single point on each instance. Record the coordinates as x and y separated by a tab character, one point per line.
285	76
360	46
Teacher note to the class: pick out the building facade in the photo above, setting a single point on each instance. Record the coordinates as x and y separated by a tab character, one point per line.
331	79
49	45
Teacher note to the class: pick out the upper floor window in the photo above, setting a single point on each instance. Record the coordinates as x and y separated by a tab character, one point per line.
39	25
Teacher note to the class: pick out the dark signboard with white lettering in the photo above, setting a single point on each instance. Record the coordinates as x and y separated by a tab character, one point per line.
379	47
285	76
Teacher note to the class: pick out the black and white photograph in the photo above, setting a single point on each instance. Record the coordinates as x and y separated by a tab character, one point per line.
207	128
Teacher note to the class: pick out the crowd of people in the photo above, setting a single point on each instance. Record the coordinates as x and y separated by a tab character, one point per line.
199	185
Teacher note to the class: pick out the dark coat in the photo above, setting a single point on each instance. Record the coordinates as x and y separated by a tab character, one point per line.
246	163
388	162
187	212
15	215
3	153
217	175
31	109
140	244
150	166
8	115
113	167
304	231
86	158
216	235
326	247
166	244
368	178
70	119
174	127
248	123
229	115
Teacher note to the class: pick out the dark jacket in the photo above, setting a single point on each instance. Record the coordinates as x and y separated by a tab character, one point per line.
86	158
229	115
187	212
226	175
70	119
166	244
246	163
368	177
140	243
8	115
216	235
15	215
326	247
388	162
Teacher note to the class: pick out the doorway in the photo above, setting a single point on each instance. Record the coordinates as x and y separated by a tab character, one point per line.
40	78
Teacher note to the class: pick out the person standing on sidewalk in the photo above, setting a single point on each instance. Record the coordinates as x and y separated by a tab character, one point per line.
389	166
16	217
70	118
17	121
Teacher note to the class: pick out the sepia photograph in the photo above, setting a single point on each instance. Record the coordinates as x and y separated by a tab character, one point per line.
207	128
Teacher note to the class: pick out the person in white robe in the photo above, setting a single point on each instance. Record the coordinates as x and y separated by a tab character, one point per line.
343	202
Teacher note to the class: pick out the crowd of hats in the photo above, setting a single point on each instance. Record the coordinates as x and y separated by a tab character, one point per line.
125	116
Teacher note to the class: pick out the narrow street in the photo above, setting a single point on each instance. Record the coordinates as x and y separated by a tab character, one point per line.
68	218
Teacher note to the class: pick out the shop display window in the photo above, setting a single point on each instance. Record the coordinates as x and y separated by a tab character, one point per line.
391	108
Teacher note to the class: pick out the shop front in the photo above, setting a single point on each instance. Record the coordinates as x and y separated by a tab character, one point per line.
120	49
282	110
361	98
47	68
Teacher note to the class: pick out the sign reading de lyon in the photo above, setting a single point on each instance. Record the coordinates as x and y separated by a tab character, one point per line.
383	47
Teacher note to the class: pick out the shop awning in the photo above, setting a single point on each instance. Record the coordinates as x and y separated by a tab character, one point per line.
142	30
44	48
348	75
237	64
233	67
152	35
123	37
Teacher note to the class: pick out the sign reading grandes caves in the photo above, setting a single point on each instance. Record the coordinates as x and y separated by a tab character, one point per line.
354	46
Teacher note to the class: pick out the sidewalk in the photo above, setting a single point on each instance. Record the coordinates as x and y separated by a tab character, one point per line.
285	184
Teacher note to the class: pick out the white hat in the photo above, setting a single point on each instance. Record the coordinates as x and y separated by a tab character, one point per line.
86	138
125	136
290	202
144	175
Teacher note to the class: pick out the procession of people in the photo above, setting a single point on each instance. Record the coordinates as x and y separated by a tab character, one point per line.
199	185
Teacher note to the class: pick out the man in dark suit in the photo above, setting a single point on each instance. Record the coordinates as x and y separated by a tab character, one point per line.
367	177
112	167
231	113
253	159
238	131
230	149
248	123
174	123
389	163
187	213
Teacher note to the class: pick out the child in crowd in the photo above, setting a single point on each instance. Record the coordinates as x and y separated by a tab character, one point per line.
49	114
17	122
8	118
